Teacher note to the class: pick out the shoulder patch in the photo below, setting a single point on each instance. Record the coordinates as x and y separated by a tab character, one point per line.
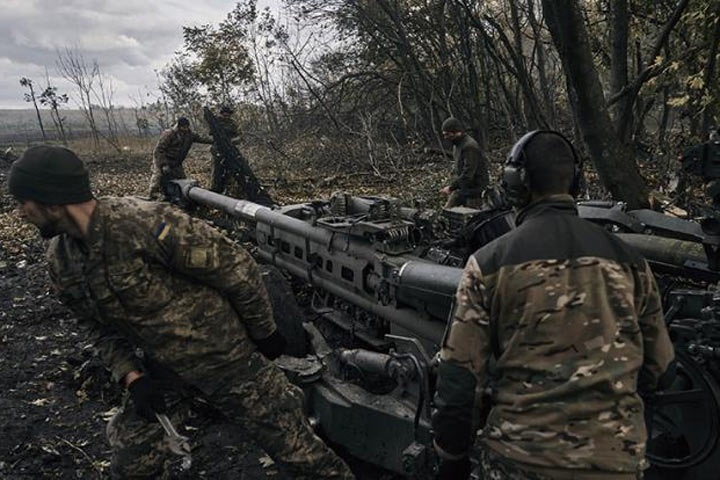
199	257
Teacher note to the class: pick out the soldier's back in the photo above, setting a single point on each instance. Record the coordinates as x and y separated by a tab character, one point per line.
563	302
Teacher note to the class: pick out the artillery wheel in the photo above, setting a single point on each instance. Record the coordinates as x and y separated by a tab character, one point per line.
684	426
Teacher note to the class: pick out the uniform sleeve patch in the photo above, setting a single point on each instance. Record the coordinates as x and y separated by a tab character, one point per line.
162	231
198	257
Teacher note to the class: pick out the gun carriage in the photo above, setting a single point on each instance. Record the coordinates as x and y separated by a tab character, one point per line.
386	275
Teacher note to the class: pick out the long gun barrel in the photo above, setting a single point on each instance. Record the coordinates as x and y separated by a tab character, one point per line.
405	290
351	263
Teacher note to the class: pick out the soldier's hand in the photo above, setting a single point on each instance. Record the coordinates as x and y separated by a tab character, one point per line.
148	399
445	190
273	346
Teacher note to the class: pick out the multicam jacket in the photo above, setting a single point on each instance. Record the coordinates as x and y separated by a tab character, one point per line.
471	168
173	147
573	315
150	277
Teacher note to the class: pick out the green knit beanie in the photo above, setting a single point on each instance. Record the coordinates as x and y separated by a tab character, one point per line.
452	124
50	175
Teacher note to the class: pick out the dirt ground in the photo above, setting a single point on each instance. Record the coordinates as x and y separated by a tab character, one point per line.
55	396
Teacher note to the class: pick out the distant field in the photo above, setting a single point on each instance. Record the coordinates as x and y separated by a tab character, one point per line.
21	126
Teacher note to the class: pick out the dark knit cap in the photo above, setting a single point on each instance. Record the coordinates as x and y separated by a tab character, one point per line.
226	109
183	122
50	175
452	124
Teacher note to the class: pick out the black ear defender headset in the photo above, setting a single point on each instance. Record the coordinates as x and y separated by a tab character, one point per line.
515	180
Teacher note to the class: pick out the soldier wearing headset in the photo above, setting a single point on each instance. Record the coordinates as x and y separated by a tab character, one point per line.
572	316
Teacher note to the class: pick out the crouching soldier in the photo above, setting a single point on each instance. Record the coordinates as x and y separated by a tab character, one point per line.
169	155
146	277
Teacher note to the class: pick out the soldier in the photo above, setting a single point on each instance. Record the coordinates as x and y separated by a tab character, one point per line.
169	153
573	317
219	173
175	310
470	166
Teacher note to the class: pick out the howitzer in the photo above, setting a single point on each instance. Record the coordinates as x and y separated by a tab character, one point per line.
386	276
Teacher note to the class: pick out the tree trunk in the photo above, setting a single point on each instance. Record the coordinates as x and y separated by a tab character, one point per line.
619	53
37	111
517	67
615	163
541	62
709	76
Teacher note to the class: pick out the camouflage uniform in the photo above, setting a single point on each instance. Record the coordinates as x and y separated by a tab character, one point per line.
169	153
150	278
494	467
472	174
219	173
573	316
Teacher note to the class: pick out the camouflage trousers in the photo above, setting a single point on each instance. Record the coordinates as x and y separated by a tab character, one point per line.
457	199
495	467
260	400
159	181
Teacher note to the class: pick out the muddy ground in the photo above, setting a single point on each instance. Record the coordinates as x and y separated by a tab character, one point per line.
55	397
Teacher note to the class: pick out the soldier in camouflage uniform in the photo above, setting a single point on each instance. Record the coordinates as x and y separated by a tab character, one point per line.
470	166
220	172
175	310
169	154
573	317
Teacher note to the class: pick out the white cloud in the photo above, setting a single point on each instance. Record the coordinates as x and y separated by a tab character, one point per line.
129	38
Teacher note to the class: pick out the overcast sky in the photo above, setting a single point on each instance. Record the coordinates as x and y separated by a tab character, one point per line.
129	38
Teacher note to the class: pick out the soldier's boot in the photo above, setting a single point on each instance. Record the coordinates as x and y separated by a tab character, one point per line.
140	448
455	199
270	408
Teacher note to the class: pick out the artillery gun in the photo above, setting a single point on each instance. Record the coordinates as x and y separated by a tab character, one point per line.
386	275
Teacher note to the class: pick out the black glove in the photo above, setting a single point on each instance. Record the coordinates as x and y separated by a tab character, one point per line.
147	398
454	469
272	346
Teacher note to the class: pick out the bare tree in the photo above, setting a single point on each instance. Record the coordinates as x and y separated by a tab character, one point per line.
30	97
72	66
103	91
